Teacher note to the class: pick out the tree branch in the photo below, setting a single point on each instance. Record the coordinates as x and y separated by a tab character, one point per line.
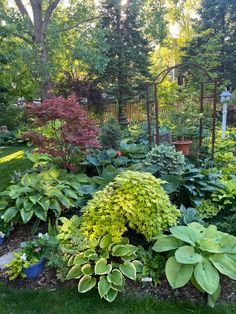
23	38
82	22
52	6
24	13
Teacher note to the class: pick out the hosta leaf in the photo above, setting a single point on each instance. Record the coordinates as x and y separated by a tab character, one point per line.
71	261
103	286
105	241
119	250
186	234
87	269
211	299
19	202
27	204
35	198
3	204
26	215
54	205
177	274
75	272
128	269
25	180
45	203
138	265
206	276
225	263
111	295
115	277
166	243
70	193
86	283
40	213
186	255
228	244
14	192
210	246
101	267
66	202
80	259
9	214
128	258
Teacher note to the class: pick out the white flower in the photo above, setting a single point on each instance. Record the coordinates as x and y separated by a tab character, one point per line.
40	235
2	234
23	257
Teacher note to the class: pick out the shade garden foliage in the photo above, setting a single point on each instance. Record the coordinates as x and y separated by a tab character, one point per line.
129	213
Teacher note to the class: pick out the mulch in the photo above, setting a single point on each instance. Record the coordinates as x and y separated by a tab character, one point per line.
48	279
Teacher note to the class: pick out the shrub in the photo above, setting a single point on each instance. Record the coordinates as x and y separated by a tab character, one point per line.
105	264
68	128
167	159
198	254
111	134
135	200
37	195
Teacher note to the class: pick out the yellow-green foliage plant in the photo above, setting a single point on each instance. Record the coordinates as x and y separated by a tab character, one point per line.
133	200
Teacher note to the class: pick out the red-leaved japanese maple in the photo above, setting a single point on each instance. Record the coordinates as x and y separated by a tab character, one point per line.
67	123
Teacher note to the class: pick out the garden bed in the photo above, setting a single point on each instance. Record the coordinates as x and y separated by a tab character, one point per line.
163	291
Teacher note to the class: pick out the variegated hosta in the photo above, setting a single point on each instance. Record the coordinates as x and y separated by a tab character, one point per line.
199	254
106	265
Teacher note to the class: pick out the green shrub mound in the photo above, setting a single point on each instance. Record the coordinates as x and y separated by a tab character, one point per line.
135	200
168	160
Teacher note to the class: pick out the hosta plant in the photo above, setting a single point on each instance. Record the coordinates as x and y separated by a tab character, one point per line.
41	194
168	160
199	255
104	264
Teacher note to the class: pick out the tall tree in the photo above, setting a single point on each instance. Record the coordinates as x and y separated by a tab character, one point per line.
214	45
127	51
41	24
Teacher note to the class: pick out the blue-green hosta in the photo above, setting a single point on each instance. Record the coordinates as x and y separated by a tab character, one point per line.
198	254
37	194
105	264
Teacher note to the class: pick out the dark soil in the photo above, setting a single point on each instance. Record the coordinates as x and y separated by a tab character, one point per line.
49	280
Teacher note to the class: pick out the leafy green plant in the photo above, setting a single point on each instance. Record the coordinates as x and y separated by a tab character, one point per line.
41	194
194	185
224	198
30	253
168	160
207	209
189	215
104	264
111	134
5	228
153	264
198	254
133	200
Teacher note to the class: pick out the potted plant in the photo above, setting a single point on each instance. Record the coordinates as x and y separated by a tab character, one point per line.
183	140
29	261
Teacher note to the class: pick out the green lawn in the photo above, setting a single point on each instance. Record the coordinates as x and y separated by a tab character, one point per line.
68	301
12	158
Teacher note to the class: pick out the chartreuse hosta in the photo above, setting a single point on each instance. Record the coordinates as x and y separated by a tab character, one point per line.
106	265
198	254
